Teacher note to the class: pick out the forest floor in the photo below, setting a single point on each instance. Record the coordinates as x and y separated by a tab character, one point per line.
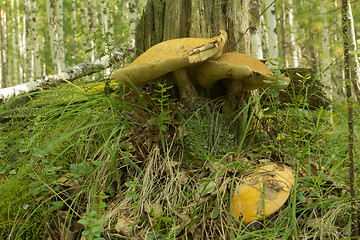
104	162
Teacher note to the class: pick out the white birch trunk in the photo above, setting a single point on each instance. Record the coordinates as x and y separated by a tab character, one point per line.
28	73
273	50
4	50
84	22
255	29
50	6
111	23
104	17
354	61
15	43
294	61
74	42
60	33
91	23
21	45
35	43
133	10
325	58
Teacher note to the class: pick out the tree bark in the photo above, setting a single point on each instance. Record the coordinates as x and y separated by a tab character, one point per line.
50	6
34	42
28	73
4	49
293	62
325	50
255	29
60	35
169	19
271	26
354	62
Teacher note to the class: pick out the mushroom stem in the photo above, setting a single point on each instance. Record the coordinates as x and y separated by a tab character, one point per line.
187	91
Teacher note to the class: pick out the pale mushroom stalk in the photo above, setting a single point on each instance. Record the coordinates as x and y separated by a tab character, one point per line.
187	91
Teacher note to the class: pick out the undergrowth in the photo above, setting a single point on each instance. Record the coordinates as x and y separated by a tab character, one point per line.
129	165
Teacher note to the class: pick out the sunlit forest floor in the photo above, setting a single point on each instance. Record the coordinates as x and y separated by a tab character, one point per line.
105	162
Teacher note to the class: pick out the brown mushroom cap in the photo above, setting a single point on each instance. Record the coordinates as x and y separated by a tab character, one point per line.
169	56
240	71
262	193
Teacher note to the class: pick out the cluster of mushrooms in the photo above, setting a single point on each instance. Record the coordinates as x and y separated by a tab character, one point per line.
199	61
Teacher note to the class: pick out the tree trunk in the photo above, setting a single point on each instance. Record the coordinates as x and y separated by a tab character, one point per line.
169	19
91	22
15	43
60	35
293	61
28	73
354	63
34	40
325	50
50	6
273	50
4	49
255	29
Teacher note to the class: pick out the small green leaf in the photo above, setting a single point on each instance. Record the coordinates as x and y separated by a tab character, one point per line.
214	214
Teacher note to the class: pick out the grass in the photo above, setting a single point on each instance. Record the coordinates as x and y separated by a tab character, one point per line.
127	164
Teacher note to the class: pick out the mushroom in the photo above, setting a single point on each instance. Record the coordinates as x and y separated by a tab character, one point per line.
172	56
239	72
262	193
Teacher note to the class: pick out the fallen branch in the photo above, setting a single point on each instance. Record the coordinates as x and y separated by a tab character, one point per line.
69	74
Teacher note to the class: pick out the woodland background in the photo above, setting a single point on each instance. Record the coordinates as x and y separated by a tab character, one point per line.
88	159
42	37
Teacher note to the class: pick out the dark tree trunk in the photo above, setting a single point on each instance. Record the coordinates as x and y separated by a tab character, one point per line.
168	19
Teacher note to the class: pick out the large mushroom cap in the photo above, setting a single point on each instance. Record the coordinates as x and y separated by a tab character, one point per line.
243	71
262	193
169	56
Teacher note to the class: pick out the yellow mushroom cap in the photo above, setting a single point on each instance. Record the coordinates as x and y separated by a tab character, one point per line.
169	56
246	72
262	193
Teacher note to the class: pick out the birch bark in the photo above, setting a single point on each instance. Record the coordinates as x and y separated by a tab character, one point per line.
354	62
50	6
325	58
91	22
34	43
84	22
273	50
293	61
4	50
28	73
60	35
15	42
255	29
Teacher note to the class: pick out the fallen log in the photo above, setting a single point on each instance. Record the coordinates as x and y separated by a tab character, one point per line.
70	74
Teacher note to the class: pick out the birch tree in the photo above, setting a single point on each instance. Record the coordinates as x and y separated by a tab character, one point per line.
50	9
325	49
60	36
15	41
354	62
28	73
34	42
5	81
273	50
255	29
91	23
293	61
